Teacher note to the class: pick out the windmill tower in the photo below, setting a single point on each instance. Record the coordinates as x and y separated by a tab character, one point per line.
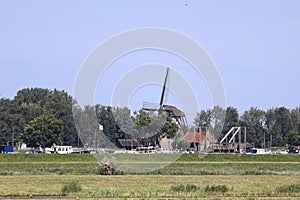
174	113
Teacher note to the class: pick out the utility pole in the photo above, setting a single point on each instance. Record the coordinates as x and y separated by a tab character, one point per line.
13	136
98	143
270	141
194	140
78	138
264	140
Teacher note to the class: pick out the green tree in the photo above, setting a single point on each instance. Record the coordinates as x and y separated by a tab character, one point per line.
33	102
254	120
293	138
203	118
43	130
278	123
231	120
111	132
11	122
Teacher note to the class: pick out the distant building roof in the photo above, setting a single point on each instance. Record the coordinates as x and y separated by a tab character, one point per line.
194	137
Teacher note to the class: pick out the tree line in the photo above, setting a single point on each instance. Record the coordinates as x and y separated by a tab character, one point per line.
274	127
38	116
41	117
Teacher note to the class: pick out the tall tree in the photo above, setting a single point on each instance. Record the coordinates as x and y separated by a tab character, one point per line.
203	118
33	102
213	118
278	123
43	130
254	120
11	122
231	120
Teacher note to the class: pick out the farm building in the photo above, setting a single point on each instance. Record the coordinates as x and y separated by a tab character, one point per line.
200	141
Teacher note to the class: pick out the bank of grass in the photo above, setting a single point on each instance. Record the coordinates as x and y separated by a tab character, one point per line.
186	164
144	186
239	158
177	157
46	158
222	176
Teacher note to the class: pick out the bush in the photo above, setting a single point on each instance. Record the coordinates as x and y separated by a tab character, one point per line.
293	188
191	188
184	188
178	188
216	188
71	187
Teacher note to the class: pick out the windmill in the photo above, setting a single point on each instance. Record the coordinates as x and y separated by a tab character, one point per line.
174	113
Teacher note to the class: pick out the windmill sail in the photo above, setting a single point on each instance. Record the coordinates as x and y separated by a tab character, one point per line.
174	113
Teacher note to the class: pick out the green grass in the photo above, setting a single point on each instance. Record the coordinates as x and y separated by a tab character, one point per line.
166	157
157	186
290	188
239	158
47	158
87	164
214	176
145	157
71	187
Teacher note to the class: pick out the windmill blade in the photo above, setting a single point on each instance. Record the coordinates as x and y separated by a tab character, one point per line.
150	106
164	89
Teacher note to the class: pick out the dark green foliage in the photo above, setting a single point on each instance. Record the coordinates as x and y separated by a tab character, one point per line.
169	128
71	187
231	120
191	188
184	188
178	188
292	188
293	138
254	120
274	127
31	103
43	130
216	188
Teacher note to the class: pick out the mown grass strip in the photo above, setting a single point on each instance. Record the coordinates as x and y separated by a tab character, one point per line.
145	157
149	186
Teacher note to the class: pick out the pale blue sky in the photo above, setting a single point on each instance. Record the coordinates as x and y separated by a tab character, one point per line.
254	44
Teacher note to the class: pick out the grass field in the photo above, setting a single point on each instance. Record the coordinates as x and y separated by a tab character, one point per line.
86	164
142	186
190	176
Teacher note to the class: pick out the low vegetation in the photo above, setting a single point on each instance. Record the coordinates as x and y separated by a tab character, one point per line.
190	176
155	186
87	164
290	188
71	187
184	188
216	188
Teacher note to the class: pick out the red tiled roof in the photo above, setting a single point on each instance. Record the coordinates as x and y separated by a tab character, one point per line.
194	136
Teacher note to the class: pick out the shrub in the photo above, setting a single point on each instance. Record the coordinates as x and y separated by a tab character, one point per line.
216	188
184	188
293	188
178	188
71	187
191	188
